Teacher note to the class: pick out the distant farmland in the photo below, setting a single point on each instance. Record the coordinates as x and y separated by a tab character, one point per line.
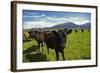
78	47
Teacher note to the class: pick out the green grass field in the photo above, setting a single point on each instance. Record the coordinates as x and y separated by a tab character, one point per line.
78	47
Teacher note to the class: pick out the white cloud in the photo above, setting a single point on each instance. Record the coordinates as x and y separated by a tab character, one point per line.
37	24
78	20
57	19
34	16
51	21
43	15
27	26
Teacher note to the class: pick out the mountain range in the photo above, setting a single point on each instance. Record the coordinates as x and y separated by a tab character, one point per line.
70	25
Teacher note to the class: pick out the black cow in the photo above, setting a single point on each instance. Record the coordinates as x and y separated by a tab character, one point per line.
76	30
53	40
56	40
82	30
88	30
69	31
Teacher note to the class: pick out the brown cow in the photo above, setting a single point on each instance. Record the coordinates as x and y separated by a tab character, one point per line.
26	35
39	37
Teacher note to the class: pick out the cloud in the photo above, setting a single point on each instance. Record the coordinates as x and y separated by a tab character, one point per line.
27	26
37	24
43	15
34	16
78	20
57	18
41	21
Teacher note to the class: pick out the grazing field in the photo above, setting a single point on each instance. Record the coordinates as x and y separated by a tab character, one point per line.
78	47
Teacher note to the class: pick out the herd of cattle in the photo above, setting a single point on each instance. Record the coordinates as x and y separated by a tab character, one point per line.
53	39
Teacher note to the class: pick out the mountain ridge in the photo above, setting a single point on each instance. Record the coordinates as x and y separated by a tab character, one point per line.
71	25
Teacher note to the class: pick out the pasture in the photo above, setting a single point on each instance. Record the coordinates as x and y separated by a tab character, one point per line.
78	47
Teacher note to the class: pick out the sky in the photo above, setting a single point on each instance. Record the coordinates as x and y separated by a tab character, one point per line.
42	19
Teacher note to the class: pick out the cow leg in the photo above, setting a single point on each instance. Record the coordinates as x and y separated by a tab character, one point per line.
38	45
62	51
27	39
57	54
48	50
42	46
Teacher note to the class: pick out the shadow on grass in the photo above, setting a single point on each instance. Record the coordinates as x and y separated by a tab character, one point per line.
33	54
31	49
27	40
38	57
